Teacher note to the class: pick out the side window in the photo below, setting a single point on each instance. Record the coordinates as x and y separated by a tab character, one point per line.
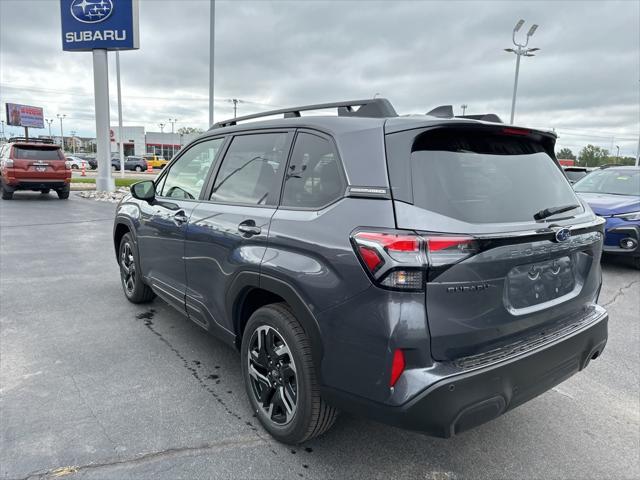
187	176
248	173
314	177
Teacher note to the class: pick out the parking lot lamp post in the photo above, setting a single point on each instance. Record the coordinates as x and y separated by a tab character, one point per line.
161	125
464	108
73	141
172	121
521	50
61	117
2	123
49	122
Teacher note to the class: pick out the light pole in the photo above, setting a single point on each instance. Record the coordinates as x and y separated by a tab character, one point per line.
520	50
464	108
618	154
73	141
3	137
212	37
172	121
60	117
161	125
49	122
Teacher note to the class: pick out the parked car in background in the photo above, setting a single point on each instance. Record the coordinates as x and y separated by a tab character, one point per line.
92	162
76	162
574	174
131	162
614	193
428	271
33	164
156	161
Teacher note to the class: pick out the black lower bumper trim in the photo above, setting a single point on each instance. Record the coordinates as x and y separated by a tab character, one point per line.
462	401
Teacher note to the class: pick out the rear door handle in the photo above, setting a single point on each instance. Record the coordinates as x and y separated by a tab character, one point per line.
180	217
248	227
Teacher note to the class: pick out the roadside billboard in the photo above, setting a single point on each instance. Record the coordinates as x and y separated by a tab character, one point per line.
24	116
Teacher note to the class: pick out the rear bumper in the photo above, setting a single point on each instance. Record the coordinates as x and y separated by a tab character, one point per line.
461	398
39	184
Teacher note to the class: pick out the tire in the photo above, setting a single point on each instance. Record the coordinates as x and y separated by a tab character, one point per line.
308	415
138	168
6	194
63	193
133	285
74	167
635	261
45	191
114	168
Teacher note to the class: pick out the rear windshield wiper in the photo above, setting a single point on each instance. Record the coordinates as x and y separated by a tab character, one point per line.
547	212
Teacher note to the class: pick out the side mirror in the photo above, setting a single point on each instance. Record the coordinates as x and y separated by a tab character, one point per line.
145	190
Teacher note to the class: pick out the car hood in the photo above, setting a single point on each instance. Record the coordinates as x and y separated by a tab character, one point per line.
606	204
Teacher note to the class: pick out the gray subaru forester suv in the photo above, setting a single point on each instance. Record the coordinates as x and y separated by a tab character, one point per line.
431	272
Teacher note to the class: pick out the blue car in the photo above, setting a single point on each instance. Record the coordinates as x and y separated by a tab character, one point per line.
614	193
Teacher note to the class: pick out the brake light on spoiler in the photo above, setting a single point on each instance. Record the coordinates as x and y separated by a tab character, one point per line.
398	260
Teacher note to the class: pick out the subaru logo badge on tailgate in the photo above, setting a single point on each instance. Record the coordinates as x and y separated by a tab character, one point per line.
563	235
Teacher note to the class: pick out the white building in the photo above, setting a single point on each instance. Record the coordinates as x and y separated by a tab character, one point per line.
132	140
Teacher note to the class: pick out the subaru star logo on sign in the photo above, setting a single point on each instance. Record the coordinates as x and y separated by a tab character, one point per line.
91	12
99	24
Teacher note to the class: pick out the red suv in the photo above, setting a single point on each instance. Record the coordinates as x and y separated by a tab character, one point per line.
34	164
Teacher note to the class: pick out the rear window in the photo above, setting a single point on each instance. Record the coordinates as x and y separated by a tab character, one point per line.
575	175
478	176
36	153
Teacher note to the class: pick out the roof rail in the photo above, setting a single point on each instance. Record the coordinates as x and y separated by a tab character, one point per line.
372	108
446	111
31	140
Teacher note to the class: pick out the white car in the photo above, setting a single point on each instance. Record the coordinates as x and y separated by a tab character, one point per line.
76	163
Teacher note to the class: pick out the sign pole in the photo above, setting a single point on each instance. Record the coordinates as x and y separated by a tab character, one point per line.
26	133
120	149
104	182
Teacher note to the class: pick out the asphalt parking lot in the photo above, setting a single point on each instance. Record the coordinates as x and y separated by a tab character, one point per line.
95	387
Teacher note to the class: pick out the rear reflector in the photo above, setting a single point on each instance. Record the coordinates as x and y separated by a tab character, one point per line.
370	257
397	366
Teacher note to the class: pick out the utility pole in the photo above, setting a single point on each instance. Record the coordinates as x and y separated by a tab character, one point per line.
521	50
235	102
618	154
464	108
49	122
73	141
172	121
212	37
61	117
161	125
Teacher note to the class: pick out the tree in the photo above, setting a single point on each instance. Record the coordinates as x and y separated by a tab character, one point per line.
190	130
592	156
565	153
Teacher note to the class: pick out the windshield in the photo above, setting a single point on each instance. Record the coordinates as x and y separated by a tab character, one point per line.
611	181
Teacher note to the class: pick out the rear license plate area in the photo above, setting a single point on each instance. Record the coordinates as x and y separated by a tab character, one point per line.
40	168
541	282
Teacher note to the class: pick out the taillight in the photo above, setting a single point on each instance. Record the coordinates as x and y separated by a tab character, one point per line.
395	260
397	367
398	260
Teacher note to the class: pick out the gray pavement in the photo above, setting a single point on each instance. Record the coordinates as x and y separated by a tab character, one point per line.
92	386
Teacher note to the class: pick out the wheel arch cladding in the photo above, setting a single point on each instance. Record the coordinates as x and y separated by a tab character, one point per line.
119	231
249	296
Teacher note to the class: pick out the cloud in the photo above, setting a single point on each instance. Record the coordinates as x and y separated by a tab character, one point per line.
419	54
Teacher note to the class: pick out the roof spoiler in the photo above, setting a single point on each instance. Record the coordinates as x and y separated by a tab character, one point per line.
446	111
371	108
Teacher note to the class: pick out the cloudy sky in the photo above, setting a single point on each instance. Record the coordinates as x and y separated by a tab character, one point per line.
584	82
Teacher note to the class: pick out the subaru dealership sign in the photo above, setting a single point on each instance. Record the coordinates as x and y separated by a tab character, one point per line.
99	24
